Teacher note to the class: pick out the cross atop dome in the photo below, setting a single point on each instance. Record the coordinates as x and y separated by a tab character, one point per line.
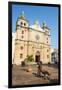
22	13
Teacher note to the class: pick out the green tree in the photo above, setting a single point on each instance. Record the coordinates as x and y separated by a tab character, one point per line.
29	58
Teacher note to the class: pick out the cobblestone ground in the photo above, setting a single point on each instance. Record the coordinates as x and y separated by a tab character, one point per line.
21	77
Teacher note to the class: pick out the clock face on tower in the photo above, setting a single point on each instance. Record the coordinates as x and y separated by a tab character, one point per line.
37	37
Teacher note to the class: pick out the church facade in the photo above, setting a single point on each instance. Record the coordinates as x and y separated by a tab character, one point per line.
31	40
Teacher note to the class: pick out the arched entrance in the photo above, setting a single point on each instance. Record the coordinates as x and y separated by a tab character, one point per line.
37	56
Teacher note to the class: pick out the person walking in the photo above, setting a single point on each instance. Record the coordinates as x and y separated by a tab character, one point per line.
39	63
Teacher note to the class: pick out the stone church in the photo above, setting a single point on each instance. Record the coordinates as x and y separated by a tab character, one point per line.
31	40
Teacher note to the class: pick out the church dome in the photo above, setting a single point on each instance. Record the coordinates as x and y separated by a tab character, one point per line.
36	26
22	16
44	26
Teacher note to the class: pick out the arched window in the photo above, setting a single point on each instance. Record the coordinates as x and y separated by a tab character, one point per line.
47	50
47	41
37	53
47	38
22	32
21	23
22	36
21	55
47	56
24	24
21	47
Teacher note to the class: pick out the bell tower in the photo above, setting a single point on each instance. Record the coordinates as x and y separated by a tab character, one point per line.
47	43
21	39
21	27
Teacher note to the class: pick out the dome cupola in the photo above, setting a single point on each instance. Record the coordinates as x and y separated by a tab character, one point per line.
22	16
44	26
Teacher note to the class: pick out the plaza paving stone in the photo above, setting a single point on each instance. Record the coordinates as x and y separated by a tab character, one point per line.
21	77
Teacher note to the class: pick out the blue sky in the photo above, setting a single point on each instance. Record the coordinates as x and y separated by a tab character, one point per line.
40	13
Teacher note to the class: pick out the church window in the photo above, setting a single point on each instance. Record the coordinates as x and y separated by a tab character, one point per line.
21	47
47	50
22	32
22	36
21	23
47	41
24	24
47	56
47	38
21	55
